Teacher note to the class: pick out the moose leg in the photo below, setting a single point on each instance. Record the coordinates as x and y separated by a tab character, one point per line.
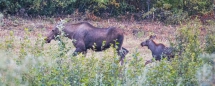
78	51
122	54
147	62
80	48
157	58
85	53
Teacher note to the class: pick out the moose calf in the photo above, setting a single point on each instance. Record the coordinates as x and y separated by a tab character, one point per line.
158	50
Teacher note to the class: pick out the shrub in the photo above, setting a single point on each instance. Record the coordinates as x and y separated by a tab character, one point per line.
183	68
58	7
205	74
177	18
177	11
210	39
31	62
188	40
192	7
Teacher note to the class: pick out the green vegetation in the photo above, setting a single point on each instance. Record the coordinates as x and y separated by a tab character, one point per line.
28	61
210	39
169	11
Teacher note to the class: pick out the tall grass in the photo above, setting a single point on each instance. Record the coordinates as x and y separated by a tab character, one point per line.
29	61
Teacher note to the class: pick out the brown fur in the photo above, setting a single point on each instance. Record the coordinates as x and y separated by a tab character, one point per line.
158	50
86	36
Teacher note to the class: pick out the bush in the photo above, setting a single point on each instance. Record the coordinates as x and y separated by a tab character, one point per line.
169	17
192	7
59	7
210	39
168	11
183	68
28	61
188	40
205	74
177	11
210	43
177	18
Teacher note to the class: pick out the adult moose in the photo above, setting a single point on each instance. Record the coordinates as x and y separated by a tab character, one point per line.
86	36
158	50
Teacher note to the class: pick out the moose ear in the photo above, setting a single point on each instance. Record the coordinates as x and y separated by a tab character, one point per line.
152	37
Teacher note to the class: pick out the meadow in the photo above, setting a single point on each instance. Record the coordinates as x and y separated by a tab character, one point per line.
27	60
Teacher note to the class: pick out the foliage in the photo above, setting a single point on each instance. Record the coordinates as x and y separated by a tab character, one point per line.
210	46
183	68
188	38
205	73
177	18
190	6
28	61
167	11
56	7
210	39
40	7
177	11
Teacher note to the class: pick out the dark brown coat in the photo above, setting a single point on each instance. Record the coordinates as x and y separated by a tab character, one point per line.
86	36
158	50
